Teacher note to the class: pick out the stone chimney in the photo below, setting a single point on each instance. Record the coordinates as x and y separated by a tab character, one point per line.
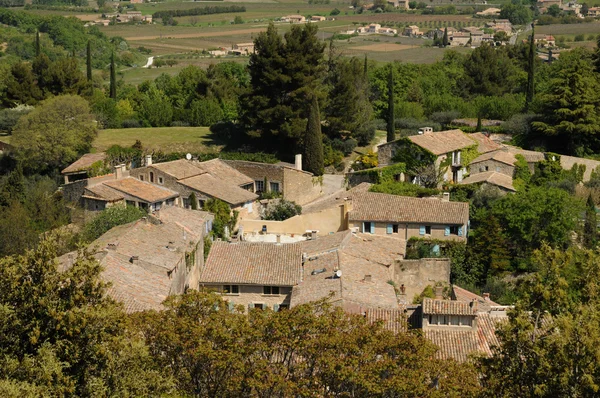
278	239
134	260
298	162
473	305
486	296
368	278
148	160
439	292
445	196
119	171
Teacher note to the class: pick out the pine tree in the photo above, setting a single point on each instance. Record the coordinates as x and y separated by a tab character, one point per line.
590	229
391	134
313	141
113	78
530	70
38	48
89	61
445	38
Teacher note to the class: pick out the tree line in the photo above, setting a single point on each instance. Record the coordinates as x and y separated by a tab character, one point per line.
198	11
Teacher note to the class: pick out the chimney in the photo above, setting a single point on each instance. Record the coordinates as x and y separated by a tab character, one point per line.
439	292
313	235
445	196
134	260
148	160
298	162
278	239
119	169
473	305
368	278
486	296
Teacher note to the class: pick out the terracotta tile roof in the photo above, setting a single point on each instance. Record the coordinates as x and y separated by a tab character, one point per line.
567	163
325	244
502	156
491	177
530	156
442	142
447	307
84	162
460	345
466	296
193	220
143	190
224	172
253	264
393	320
102	192
179	169
220	189
485	144
357	258
334	200
370	206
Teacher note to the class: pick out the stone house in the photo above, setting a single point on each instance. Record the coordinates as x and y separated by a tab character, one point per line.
147	260
243	48
544	40
594	12
317	18
291	181
413	30
82	167
497	179
211	179
407	217
445	149
293	19
254	275
460	39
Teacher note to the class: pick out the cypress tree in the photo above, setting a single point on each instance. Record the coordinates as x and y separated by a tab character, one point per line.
113	78
590	228
193	201
391	134
313	141
436	39
478	127
445	38
38	48
89	61
530	71
366	67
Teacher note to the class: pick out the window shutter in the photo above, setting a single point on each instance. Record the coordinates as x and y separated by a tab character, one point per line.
250	306
422	230
264	306
276	307
231	306
372	227
460	231
447	231
363	227
389	228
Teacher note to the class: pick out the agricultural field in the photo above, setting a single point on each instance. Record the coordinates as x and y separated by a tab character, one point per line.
166	139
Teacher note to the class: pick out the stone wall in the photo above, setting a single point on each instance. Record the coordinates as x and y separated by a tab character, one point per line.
385	153
492	165
73	191
408	230
253	294
415	275
169	182
300	187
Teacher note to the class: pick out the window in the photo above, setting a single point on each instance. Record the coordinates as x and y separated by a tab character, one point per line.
157	206
151	177
271	290
231	289
392	228
161	180
283	307
487	168
248	187
170	202
425	230
260	185
258	306
450	320
141	177
454	230
368	227
130	203
186	203
274	186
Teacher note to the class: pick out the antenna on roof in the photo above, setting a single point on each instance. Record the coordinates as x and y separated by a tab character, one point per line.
188	156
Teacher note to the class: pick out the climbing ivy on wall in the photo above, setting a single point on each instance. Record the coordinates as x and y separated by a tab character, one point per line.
412	155
384	174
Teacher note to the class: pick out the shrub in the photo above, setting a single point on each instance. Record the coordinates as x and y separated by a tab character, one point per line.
579	37
335	11
110	218
281	209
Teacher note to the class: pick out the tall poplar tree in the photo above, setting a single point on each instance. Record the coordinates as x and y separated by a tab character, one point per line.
391	133
89	61
530	70
113	78
38	48
313	140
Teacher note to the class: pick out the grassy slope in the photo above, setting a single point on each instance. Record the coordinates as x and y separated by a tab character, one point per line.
167	139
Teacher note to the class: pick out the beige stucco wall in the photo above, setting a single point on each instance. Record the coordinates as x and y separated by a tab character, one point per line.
407	231
300	187
253	294
326	221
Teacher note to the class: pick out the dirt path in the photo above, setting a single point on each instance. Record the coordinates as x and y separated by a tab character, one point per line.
198	34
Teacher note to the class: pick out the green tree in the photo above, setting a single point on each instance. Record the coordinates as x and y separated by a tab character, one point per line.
590	228
205	112
38	49
54	134
445	40
517	14
110	218
569	105
391	131
88	61
225	220
313	141
21	86
281	210
113	77
155	107
489	72
531	70
193	201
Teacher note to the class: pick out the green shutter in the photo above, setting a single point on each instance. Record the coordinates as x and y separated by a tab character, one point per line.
460	231
447	231
231	306
276	307
389	228
264	306
422	230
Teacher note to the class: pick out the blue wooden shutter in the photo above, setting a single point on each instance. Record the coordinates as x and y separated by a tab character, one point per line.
264	306
231	306
460	231
447	231
389	228
276	307
250	306
372	227
364	229
422	230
